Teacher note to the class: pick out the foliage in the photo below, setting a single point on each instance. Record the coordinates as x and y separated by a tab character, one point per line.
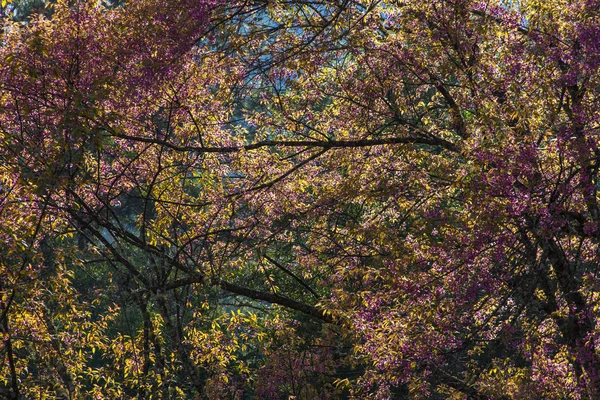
324	199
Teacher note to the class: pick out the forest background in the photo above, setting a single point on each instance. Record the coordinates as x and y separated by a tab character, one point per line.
299	199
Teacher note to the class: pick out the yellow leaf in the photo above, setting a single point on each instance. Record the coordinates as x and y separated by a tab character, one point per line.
341	382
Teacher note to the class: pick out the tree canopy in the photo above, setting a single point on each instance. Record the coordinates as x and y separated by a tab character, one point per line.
300	199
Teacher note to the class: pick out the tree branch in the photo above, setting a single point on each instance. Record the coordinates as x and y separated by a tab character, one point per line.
276	299
324	144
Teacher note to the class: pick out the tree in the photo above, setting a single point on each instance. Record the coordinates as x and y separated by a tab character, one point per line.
228	199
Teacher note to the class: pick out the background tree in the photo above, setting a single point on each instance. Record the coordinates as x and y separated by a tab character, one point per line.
386	199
